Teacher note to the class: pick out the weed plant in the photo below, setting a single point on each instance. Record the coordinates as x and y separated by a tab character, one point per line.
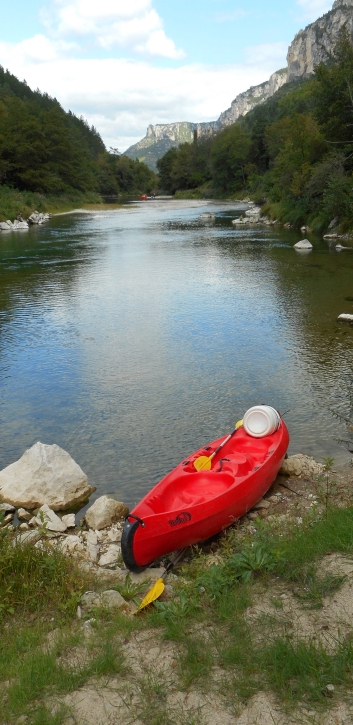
209	618
34	580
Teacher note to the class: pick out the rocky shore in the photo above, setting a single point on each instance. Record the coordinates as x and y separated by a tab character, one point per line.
37	490
20	223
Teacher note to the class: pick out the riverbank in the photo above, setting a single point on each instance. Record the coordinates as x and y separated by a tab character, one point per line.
14	202
255	626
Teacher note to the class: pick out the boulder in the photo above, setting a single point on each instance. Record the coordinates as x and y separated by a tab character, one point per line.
345	318
5	227
104	512
19	225
44	475
38	218
48	519
304	244
301	465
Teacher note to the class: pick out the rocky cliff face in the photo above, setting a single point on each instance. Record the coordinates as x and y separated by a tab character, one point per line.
245	102
314	44
309	48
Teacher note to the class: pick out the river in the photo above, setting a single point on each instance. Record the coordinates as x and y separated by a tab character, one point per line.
131	337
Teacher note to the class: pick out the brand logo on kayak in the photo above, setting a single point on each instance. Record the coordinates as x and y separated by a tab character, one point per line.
182	518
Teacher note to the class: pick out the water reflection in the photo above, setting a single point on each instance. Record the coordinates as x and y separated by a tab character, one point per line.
132	336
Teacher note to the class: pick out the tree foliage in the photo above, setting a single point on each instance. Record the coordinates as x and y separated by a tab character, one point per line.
295	151
45	150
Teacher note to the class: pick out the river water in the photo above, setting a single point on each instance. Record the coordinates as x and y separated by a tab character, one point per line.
131	337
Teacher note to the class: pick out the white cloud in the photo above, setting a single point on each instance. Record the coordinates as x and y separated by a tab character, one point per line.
313	9
135	25
121	97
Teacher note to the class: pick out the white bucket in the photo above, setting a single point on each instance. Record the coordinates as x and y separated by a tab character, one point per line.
261	421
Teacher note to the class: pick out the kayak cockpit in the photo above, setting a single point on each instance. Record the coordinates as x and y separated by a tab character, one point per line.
191	487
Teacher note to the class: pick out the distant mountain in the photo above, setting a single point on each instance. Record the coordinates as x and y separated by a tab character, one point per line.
310	47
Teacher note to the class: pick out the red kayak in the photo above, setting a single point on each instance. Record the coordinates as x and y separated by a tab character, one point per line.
188	506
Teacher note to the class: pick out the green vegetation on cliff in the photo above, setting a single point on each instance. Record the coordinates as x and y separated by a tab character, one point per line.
46	151
294	151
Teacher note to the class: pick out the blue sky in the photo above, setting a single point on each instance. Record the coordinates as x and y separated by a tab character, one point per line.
124	64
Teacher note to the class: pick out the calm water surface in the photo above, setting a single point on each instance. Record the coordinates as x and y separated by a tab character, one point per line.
131	337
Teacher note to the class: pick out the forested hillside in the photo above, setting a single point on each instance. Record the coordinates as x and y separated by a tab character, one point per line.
43	149
294	152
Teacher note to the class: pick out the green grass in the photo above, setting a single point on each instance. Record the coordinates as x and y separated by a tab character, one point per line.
14	202
207	620
34	580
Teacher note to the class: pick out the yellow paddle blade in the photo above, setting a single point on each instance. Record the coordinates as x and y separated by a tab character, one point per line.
154	593
203	463
239	424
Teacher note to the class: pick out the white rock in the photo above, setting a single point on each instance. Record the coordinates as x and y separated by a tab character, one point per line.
92	552
104	512
23	515
7	507
19	225
91	537
47	518
38	218
109	599
114	535
345	318
301	465
24	527
111	556
5	227
69	520
33	521
71	545
207	215
28	537
9	223
304	244
101	535
44	475
254	212
113	600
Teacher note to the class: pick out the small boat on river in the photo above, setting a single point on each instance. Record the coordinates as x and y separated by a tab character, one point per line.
189	505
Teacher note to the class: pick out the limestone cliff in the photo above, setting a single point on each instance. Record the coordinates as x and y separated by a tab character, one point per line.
309	48
162	137
314	44
246	101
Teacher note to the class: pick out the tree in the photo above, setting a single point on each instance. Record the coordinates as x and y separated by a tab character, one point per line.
229	154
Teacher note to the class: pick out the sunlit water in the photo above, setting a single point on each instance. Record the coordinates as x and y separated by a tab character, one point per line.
132	337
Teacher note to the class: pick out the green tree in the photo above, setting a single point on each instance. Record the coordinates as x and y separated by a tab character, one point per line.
229	154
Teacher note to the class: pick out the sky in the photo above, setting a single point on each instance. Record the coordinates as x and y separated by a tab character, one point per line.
124	64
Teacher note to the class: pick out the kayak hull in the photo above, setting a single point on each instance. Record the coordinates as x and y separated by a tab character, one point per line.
189	506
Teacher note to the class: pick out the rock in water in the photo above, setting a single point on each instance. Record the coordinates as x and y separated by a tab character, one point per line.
44	474
304	244
104	512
